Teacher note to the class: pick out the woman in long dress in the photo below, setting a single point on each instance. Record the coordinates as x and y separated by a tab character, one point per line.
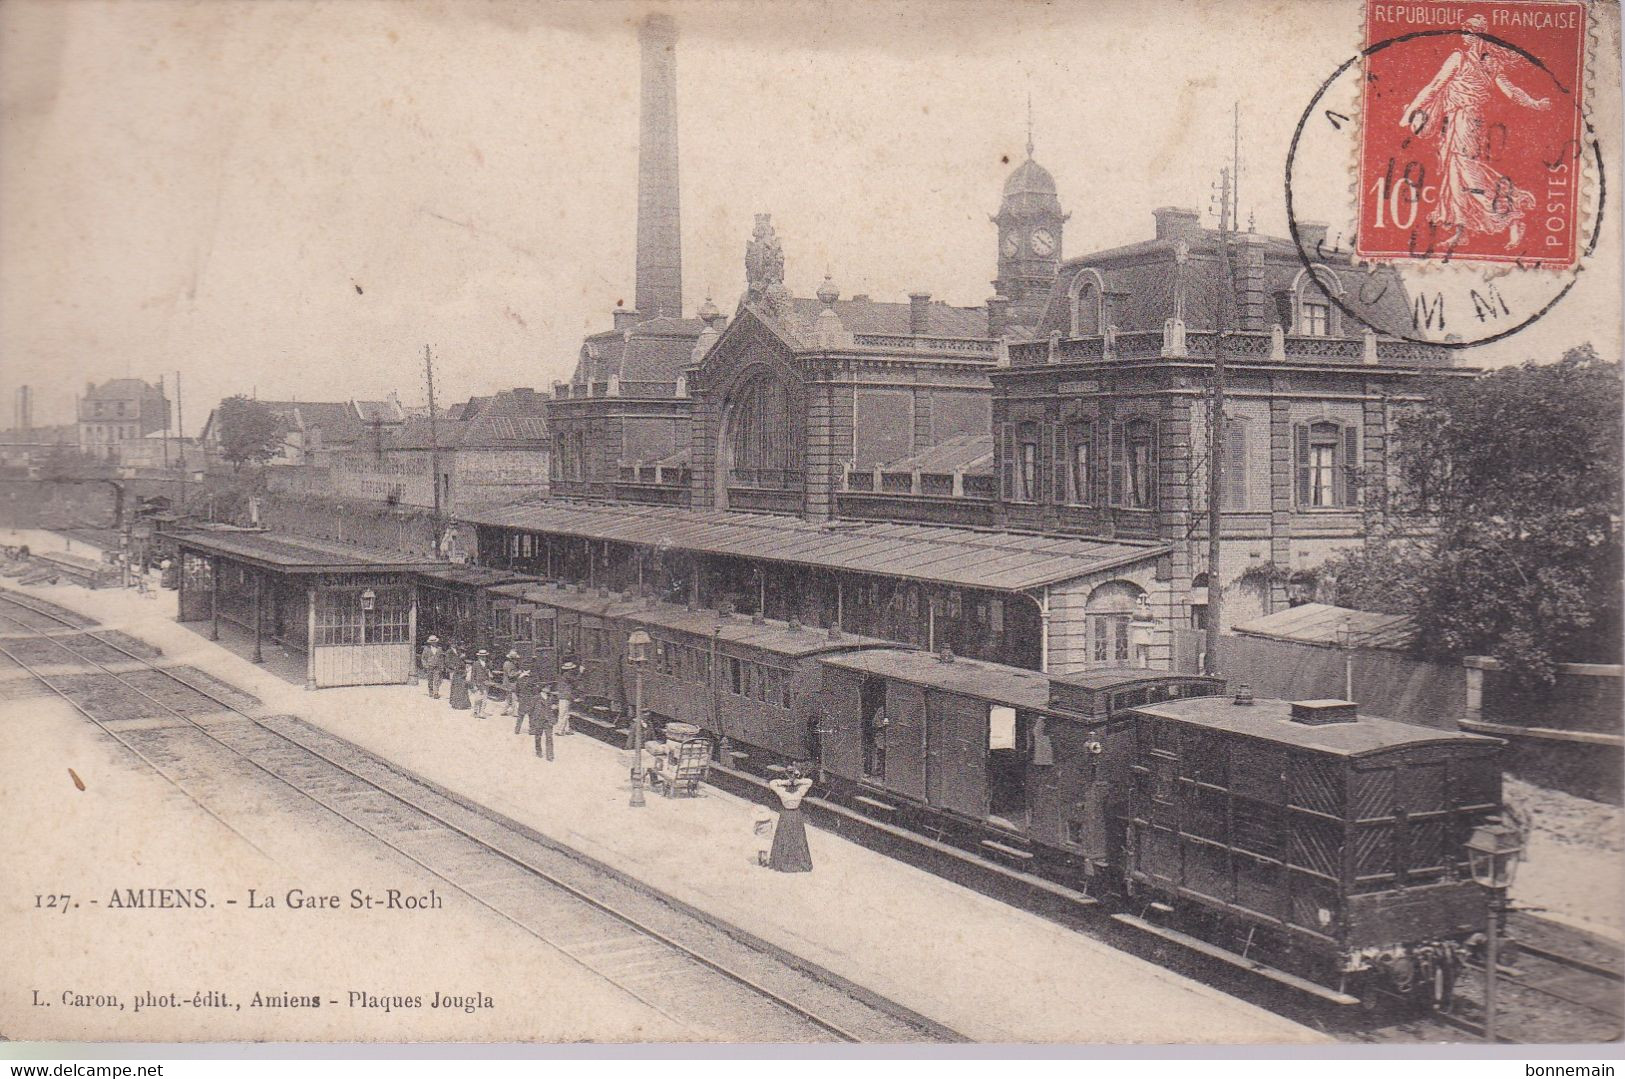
1474	196
790	853
458	665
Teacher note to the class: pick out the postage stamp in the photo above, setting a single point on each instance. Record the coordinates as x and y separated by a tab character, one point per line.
1454	158
1472	113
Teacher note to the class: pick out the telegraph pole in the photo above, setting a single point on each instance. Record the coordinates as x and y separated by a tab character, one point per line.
434	442
1215	450
180	435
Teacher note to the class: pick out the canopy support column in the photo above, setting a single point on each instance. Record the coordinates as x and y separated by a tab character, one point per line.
259	622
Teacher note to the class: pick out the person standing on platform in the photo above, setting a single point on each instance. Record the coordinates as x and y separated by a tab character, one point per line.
528	692
566	693
479	680
790	853
459	678
433	661
510	678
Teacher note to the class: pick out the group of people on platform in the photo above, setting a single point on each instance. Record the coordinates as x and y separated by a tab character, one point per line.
476	683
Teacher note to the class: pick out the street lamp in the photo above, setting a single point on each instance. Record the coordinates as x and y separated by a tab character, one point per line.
637	653
1493	852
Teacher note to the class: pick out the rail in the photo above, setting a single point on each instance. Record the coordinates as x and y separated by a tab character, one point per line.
528	866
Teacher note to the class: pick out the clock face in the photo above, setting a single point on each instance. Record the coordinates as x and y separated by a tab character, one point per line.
1043	242
1011	245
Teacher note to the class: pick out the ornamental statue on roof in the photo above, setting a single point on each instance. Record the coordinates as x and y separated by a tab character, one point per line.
764	261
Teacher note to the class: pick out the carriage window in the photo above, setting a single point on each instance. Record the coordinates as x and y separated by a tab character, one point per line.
595	642
733	675
502	622
1001	727
521	627
543	628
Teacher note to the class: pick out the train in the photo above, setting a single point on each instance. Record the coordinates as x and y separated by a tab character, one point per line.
1303	841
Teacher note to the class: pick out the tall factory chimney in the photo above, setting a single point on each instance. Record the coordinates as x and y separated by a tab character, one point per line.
660	245
25	408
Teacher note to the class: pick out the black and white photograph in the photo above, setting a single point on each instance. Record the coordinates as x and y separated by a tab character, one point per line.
812	526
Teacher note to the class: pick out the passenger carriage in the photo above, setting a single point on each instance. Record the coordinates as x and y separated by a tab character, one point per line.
748	682
1332	842
454	603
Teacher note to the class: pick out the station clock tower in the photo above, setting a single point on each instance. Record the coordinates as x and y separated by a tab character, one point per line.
1029	238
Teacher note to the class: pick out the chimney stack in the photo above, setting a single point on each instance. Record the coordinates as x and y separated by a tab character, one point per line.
998	315
626	318
918	305
1173	222
660	247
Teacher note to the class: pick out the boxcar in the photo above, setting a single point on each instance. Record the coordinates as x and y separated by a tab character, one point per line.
1334	840
1021	766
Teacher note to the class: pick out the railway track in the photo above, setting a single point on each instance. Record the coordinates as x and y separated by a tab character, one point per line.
693	971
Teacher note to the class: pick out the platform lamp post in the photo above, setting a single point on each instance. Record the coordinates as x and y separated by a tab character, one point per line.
637	653
1493	852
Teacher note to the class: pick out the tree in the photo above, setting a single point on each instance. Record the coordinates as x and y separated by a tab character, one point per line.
248	431
1510	485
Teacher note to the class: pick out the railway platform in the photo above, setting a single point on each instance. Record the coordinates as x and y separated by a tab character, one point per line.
989	971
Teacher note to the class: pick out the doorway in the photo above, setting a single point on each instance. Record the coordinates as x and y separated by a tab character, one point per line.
1008	753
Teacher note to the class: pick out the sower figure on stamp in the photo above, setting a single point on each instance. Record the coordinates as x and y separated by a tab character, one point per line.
433	661
1473	195
790	852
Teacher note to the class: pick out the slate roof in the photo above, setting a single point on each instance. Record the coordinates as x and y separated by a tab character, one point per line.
296	554
120	389
870	316
968	558
1143	276
971	452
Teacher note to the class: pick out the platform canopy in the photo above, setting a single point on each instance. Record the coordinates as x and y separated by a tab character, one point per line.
297	554
964	557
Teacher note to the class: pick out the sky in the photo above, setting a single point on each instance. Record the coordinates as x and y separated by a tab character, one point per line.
292	199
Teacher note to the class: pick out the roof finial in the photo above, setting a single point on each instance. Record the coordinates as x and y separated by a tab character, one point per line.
1029	125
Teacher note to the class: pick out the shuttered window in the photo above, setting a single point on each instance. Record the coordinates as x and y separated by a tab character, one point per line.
1134	464
1327	457
1081	465
1233	476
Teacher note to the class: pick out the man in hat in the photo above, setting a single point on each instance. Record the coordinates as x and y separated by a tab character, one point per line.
528	692
433	661
510	678
479	681
566	692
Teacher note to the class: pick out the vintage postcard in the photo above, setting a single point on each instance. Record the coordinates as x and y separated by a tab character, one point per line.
811	524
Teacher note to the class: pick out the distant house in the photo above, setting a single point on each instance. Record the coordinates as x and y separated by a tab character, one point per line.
118	411
488	450
312	431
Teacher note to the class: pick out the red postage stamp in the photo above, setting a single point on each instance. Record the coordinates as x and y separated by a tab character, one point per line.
1471	132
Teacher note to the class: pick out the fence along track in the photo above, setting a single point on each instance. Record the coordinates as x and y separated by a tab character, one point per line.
648	963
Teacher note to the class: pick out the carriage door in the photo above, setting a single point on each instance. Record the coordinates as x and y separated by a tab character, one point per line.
955	771
905	739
